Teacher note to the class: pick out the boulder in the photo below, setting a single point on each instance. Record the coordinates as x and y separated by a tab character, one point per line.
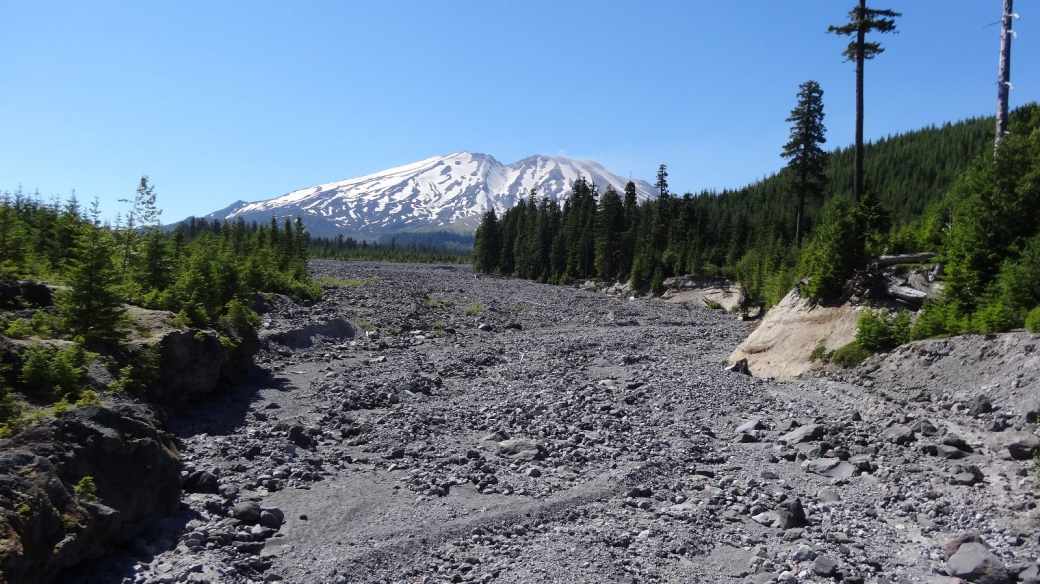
806	433
247	511
133	464
901	435
194	363
974	562
20	293
831	467
202	481
520	449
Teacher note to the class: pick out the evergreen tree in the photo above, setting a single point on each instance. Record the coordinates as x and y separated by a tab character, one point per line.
142	213
863	20
611	226
806	159
92	307
662	181
487	244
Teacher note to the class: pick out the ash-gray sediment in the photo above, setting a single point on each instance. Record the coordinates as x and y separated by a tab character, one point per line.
566	436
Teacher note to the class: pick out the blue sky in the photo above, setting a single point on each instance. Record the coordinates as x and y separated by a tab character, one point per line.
221	101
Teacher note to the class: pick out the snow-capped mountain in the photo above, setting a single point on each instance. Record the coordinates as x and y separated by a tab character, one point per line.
444	192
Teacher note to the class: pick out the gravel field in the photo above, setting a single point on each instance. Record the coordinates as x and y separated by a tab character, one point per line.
497	430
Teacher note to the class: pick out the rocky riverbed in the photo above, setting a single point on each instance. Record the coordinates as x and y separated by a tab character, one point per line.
424	425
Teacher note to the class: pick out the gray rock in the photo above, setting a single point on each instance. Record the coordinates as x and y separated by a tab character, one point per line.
807	433
963	478
750	426
804	553
202	482
954	544
898	434
268	519
520	449
949	452
247	511
831	467
1023	447
829	495
824	566
975	563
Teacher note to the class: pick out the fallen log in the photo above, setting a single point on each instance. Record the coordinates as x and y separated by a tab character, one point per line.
909	258
906	294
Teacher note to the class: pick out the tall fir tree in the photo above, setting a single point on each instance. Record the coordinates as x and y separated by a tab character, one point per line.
806	159
862	21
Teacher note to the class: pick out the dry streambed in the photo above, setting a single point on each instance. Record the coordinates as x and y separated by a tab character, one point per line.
493	430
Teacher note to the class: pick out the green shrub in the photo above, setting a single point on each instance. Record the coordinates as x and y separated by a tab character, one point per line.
714	305
18	328
994	317
819	353
46	370
182	320
85	489
61	407
474	309
830	256
196	314
878	332
88	398
11	419
657	282
239	319
939	319
45	325
138	375
1033	320
850	355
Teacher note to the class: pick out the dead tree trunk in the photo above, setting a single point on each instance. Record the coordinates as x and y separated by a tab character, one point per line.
1004	73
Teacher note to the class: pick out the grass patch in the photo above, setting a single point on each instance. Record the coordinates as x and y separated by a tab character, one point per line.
363	324
347	283
440	325
819	353
438	303
714	305
474	309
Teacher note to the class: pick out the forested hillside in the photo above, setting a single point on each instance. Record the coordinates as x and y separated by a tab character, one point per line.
205	274
937	189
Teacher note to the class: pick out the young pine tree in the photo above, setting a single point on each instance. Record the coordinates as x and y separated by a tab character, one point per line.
92	307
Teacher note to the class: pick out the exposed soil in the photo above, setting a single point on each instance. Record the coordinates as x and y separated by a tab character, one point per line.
567	436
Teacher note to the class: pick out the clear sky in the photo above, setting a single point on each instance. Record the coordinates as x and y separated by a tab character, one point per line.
228	100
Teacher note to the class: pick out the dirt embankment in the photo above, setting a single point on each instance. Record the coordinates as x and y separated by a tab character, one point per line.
779	347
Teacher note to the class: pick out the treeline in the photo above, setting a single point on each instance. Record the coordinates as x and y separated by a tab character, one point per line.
196	270
747	234
439	249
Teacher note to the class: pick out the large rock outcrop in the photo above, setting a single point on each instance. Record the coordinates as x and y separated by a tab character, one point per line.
192	362
44	525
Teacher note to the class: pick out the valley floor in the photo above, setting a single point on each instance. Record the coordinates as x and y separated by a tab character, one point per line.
566	436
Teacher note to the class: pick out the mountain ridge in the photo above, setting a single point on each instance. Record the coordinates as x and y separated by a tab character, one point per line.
448	192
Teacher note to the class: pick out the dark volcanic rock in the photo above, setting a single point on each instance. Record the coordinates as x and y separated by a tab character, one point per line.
133	464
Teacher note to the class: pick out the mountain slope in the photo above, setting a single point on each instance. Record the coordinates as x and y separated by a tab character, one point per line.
444	192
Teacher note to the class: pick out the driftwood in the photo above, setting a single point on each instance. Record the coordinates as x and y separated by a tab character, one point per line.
906	294
910	258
